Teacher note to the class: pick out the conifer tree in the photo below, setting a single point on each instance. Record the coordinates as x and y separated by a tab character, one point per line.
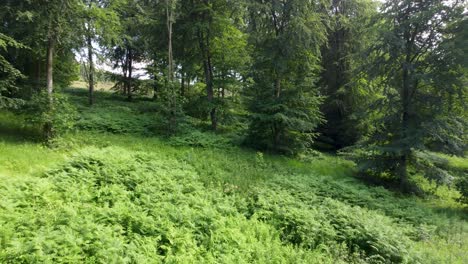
286	37
411	60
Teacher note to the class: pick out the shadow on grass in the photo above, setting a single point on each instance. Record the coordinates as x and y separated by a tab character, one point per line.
13	128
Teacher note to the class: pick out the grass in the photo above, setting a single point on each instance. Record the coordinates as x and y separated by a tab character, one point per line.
100	86
21	153
110	194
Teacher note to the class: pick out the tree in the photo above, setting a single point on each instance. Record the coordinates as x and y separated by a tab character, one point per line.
59	17
172	96
231	59
125	45
45	27
410	61
100	25
347	37
204	21
286	37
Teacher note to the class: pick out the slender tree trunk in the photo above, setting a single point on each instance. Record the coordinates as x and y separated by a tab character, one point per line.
208	71
276	136
182	84
125	73
48	130
277	87
223	88
91	66
277	131
37	74
129	77
209	91
405	99
170	67
50	67
214	121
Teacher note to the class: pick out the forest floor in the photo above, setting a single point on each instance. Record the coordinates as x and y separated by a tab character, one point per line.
114	191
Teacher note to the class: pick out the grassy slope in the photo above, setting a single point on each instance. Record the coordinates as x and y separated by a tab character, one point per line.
117	198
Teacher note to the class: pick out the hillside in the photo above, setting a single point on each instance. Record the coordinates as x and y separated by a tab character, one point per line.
115	191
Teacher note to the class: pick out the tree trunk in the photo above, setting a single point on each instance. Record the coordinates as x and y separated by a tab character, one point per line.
129	77
210	92
222	92
182	83
276	137
48	130
91	66
277	87
405	94
37	74
208	71
50	67
170	67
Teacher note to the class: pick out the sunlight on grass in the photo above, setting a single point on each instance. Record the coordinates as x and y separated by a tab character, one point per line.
100	86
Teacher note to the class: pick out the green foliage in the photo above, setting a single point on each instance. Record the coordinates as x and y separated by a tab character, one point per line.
285	39
115	119
8	74
197	106
115	115
418	74
132	207
349	34
114	204
196	198
61	113
140	181
200	139
286	125
172	108
66	70
462	186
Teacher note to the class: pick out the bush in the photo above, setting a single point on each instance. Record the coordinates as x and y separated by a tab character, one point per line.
462	186
60	113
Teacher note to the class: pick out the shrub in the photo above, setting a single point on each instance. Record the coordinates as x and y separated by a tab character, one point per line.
60	113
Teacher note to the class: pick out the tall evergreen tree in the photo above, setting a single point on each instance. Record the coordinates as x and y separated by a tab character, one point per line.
347	36
410	61
286	37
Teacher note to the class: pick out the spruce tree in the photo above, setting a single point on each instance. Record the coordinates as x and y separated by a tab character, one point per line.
286	37
409	61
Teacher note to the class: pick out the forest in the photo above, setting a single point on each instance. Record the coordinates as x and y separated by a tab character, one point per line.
233	131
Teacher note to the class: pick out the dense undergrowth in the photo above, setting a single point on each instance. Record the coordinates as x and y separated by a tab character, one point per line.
114	192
